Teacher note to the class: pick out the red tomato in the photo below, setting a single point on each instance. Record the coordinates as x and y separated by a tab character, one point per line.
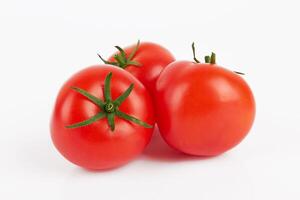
93	127
145	61
203	109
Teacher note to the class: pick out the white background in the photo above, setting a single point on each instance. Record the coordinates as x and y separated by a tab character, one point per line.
42	43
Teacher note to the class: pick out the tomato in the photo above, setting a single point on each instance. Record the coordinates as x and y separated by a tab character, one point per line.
102	118
202	108
145	61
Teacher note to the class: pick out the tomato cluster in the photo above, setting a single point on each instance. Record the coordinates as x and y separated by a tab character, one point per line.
104	115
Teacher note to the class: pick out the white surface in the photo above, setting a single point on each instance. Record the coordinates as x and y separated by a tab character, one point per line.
43	42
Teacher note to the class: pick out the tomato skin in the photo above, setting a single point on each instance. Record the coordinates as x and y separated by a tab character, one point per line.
96	146
153	59
203	109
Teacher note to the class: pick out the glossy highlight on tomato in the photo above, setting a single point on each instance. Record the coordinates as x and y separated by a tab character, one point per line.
103	118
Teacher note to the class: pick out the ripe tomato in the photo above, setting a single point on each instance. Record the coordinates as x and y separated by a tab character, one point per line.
144	60
203	109
100	118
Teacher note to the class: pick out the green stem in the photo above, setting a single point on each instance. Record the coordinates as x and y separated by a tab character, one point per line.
194	53
89	121
133	119
209	59
240	73
121	58
213	58
109	108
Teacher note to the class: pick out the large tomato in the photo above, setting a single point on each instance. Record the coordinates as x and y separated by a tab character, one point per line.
102	118
144	60
203	109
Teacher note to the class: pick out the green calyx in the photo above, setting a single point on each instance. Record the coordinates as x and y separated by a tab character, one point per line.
209	59
109	108
121	59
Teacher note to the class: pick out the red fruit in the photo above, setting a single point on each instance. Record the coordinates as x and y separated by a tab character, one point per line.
203	109
101	118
